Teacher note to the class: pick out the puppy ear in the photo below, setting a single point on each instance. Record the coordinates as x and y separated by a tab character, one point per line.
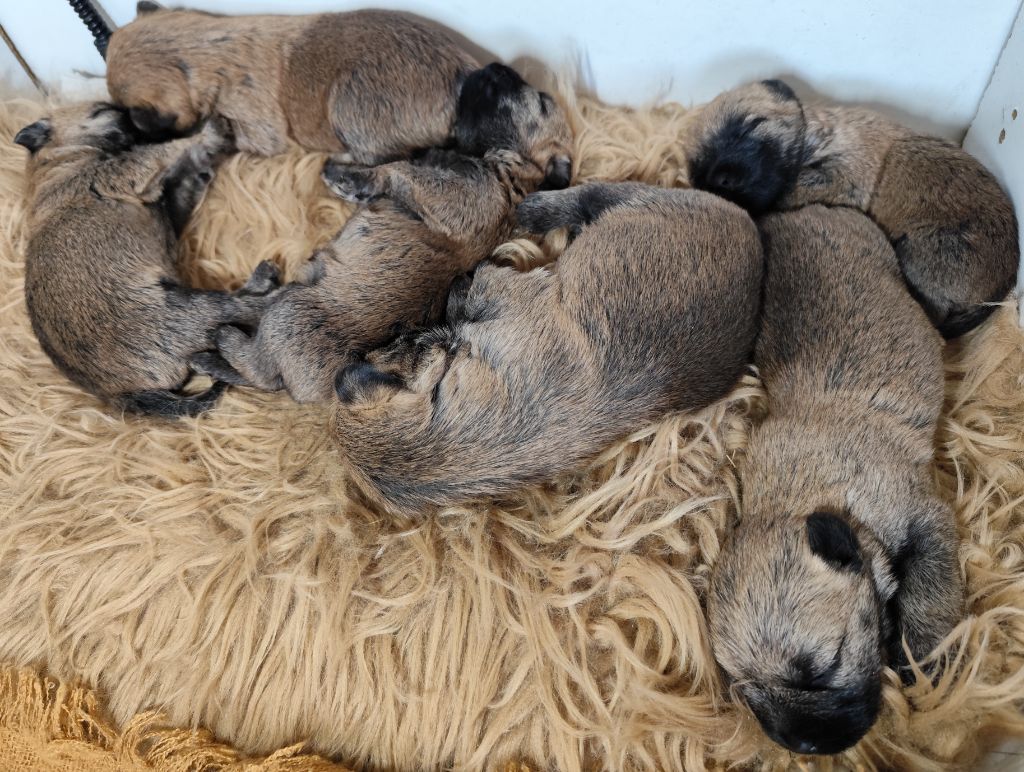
832	539
362	380
779	88
558	173
147	6
35	135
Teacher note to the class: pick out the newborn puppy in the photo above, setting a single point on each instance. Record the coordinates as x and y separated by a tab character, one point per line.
844	544
371	86
428	221
952	225
652	308
101	279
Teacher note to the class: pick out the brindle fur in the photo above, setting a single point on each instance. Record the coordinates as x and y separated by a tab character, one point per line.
952	225
427	221
652	308
844	544
370	86
101	277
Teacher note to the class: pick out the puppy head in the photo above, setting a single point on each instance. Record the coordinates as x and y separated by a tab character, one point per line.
748	144
498	110
411	420
149	72
97	125
797	615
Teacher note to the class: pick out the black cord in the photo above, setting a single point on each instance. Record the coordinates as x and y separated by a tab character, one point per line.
94	22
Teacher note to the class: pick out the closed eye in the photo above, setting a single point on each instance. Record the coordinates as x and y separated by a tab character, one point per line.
100	109
820	681
752	123
544	98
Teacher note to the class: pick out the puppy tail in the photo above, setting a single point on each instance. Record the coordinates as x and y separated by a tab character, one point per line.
172	404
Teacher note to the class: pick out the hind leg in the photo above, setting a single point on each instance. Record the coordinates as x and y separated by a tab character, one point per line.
575	207
246	357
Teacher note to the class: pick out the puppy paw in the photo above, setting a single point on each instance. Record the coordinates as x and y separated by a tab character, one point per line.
218	138
539	212
351	183
265	278
230	339
212	364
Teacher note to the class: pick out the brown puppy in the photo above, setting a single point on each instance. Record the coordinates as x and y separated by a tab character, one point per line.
101	280
371	86
429	220
952	225
653	308
843	545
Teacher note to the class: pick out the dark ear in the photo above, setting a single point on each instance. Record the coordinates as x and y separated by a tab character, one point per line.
35	135
780	88
558	173
147	6
832	539
361	380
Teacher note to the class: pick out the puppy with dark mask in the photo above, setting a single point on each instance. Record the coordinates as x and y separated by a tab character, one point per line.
369	86
101	278
428	221
652	308
952	225
844	547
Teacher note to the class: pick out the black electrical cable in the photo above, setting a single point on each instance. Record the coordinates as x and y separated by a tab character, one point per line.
94	22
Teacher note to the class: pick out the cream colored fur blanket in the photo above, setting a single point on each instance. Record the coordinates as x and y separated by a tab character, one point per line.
221	571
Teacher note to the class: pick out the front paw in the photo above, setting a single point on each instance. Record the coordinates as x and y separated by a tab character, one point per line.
539	212
218	138
351	183
265	278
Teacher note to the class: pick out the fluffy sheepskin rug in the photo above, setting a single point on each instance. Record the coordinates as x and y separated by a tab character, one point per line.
222	571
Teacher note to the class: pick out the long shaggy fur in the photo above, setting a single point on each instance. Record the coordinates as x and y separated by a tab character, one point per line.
221	569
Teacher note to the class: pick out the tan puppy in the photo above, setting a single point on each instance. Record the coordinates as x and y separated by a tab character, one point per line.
952	225
101	278
843	545
371	86
653	308
429	221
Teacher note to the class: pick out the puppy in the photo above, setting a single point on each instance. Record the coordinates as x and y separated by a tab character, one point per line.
844	545
427	221
101	281
952	225
652	308
370	86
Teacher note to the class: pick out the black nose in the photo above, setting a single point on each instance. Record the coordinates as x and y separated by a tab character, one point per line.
797	744
727	178
820	722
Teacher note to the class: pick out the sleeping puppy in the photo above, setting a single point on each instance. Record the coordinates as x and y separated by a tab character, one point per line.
370	86
428	221
101	278
844	545
952	225
652	308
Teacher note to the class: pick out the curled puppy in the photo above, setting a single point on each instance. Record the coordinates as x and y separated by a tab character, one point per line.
844	545
652	308
101	280
370	85
952	225
428	221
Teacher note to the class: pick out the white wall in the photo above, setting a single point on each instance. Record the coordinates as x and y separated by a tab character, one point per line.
929	58
997	135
